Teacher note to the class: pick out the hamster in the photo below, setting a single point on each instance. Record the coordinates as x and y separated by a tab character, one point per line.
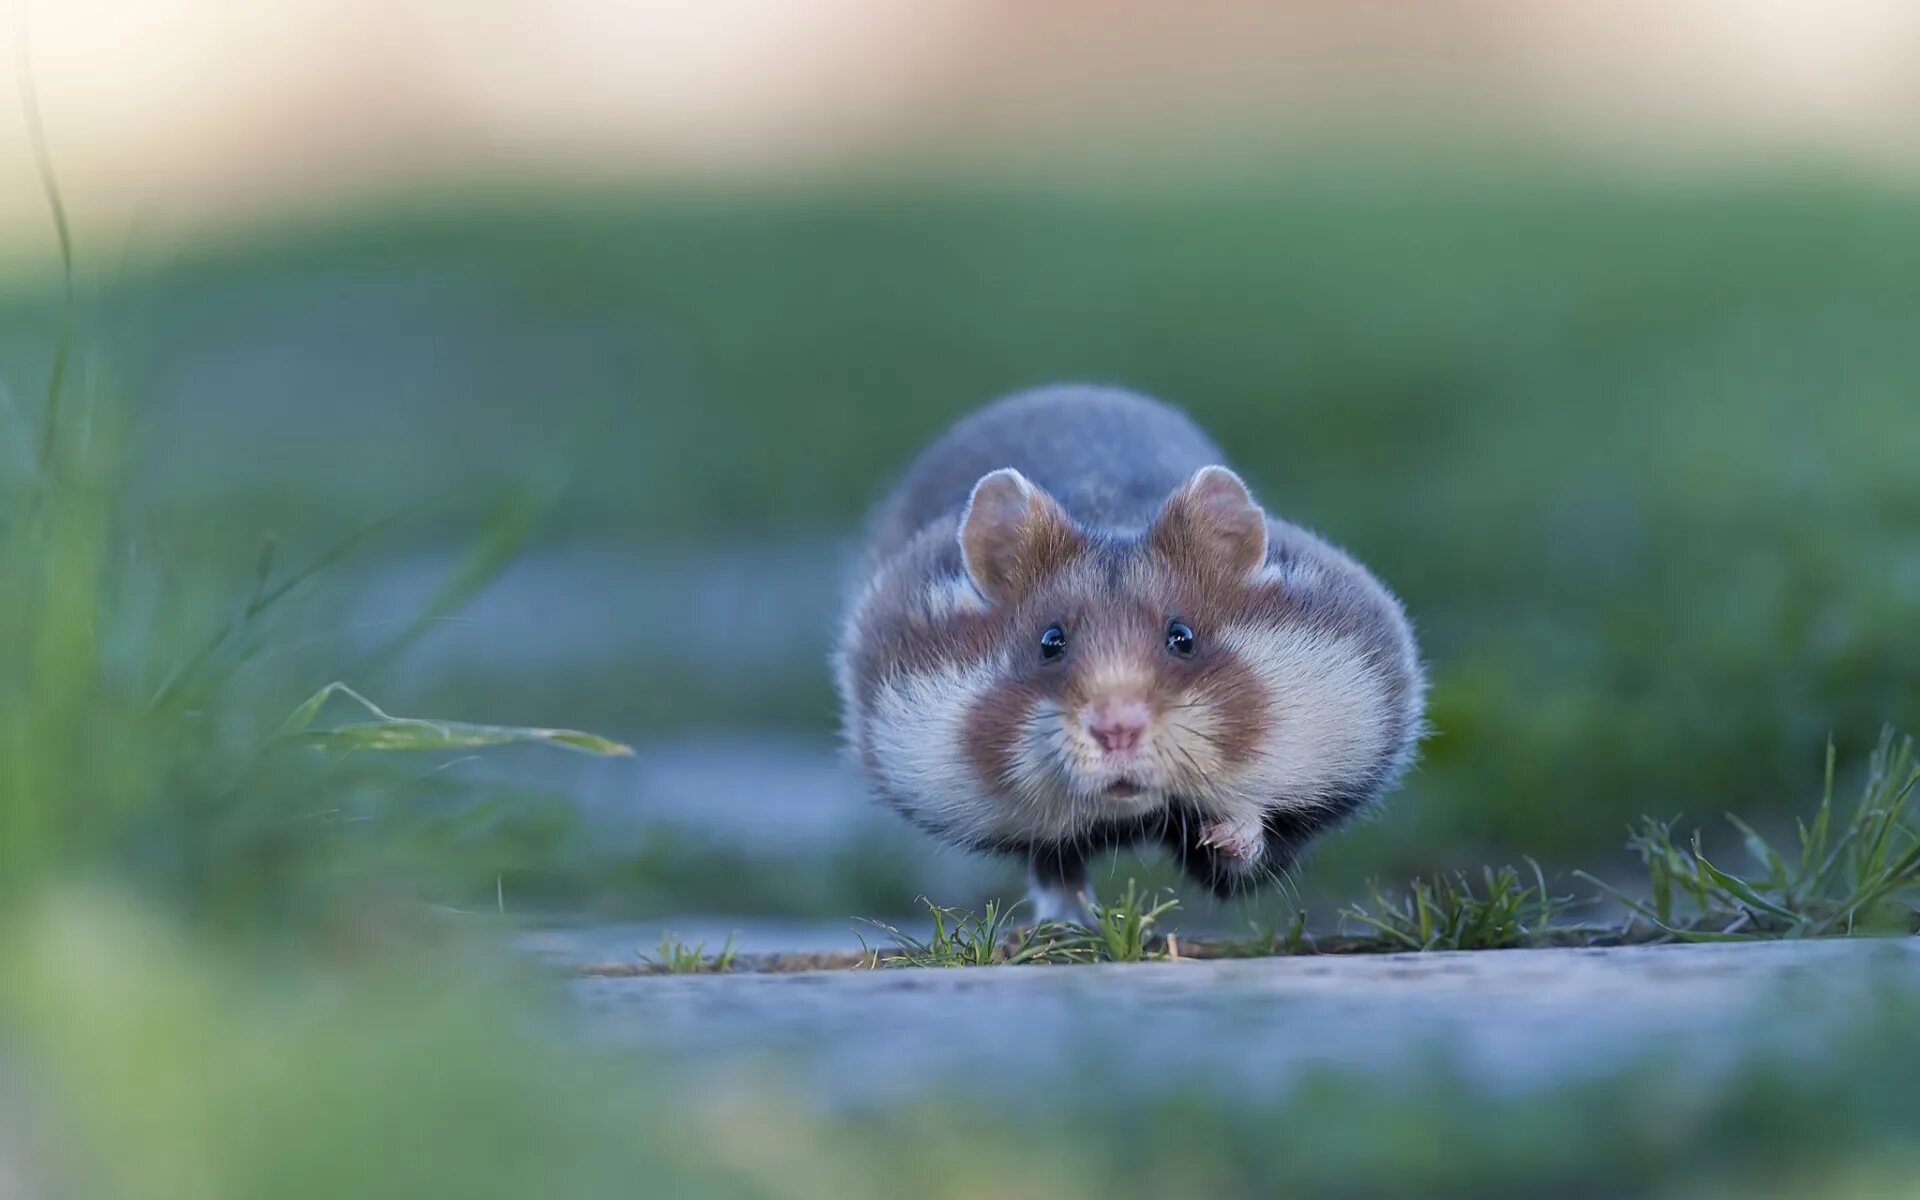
1074	629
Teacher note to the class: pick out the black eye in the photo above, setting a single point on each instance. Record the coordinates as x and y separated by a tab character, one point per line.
1179	639
1053	643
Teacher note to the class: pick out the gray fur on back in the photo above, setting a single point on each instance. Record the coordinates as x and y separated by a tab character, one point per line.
1109	456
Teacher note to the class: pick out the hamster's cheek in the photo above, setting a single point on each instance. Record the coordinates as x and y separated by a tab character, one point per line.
1002	721
1327	719
1016	741
915	741
1218	721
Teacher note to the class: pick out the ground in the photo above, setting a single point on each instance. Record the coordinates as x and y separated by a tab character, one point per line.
1504	1020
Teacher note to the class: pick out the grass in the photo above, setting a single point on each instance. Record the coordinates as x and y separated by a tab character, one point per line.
138	736
1446	913
387	732
675	957
961	938
1120	931
1862	876
1857	873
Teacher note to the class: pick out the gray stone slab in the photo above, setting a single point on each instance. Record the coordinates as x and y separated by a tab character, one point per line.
1505	1020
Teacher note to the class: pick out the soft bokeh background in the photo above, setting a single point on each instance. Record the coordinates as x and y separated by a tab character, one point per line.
1592	330
1597	345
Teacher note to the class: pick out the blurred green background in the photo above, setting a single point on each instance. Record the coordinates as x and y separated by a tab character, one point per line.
1640	459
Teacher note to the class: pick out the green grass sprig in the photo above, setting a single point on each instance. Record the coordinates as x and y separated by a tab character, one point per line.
961	938
1862	876
1446	913
675	957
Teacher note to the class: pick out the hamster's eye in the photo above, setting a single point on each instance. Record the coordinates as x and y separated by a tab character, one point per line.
1179	639
1053	642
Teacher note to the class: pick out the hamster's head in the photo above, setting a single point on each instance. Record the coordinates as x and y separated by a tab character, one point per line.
1065	678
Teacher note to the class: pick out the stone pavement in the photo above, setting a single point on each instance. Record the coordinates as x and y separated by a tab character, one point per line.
1501	1020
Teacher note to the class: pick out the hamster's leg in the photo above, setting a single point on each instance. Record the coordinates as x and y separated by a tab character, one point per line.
1228	856
1289	831
1056	883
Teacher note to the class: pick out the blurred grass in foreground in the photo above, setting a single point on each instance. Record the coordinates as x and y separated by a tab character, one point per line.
150	736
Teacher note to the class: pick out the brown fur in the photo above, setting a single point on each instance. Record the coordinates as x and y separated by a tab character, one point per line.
1013	537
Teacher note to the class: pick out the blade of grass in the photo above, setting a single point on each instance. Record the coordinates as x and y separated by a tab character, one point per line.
388	732
56	204
1546	903
1632	904
1888	808
1813	841
1742	891
1763	854
1903	872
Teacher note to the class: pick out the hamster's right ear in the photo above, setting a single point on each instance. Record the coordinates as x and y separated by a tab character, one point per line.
1212	524
1013	535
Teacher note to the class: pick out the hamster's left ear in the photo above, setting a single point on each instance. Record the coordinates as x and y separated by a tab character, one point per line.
1013	535
1212	522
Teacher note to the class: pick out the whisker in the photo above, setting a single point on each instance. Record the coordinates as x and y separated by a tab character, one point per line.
1201	734
1199	776
1282	877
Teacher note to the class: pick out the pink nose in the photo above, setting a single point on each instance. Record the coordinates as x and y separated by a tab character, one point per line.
1117	725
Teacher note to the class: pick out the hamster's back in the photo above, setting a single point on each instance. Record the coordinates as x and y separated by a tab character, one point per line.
1109	456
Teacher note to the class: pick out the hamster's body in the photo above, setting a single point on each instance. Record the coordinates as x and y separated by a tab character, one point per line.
1074	629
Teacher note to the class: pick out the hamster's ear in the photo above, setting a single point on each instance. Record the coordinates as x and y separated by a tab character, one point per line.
1212	522
1013	535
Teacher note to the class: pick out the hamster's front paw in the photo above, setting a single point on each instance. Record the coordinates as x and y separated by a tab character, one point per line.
1241	839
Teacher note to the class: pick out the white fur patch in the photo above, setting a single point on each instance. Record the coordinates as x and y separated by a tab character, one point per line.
1186	751
1328	717
1035	766
916	732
